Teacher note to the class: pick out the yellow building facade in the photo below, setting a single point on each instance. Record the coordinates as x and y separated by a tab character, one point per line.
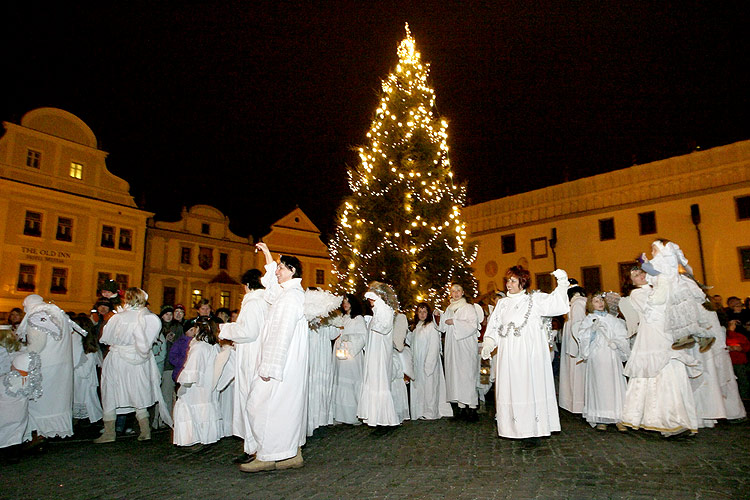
199	257
67	222
595	227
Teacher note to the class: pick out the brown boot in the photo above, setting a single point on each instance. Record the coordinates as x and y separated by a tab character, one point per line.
291	463
145	434
108	434
258	466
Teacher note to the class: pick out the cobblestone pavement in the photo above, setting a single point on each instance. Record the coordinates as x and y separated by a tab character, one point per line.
424	459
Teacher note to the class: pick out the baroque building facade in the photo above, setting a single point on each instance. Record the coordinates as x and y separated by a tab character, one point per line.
596	227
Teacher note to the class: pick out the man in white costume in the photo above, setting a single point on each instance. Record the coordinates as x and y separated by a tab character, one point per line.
399	366
461	323
278	397
658	396
376	407
47	330
524	385
572	367
244	334
131	380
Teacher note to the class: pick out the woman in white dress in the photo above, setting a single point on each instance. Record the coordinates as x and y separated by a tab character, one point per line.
604	346
86	357
197	416
348	361
428	400
524	386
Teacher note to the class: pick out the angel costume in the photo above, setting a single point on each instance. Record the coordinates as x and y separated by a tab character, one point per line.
461	352
399	367
572	368
428	400
348	370
278	405
244	334
320	377
47	330
197	417
604	346
86	403
21	384
524	386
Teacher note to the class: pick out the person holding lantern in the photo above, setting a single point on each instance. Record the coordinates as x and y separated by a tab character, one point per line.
348	361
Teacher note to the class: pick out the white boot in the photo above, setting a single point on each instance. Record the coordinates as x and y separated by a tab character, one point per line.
108	434
145	434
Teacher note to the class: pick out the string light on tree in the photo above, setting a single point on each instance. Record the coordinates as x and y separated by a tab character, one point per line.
403	223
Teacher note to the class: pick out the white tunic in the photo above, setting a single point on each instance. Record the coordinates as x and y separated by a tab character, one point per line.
398	370
348	372
86	403
197	417
572	369
461	353
428	400
244	334
375	402
320	377
658	395
278	406
604	346
524	386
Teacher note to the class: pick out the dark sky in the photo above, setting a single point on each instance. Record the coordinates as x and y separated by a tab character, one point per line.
254	107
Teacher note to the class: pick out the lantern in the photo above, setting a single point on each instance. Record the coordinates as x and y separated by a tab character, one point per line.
484	372
342	351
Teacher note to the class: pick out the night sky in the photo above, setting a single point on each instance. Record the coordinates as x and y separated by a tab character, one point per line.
255	107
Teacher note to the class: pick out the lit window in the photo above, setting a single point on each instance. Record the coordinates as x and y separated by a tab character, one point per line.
225	299
59	280
126	239
76	170
108	237
33	224
64	229
197	296
320	277
33	158
26	278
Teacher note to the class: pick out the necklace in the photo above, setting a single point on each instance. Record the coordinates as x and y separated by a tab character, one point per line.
504	331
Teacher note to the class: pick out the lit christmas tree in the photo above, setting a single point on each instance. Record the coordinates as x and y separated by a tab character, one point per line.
402	223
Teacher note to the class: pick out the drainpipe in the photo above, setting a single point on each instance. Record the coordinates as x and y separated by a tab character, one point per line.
552	245
695	214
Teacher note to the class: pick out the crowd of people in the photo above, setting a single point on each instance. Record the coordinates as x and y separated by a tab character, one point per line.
663	358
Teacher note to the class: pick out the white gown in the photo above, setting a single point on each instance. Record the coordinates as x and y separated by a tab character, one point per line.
428	399
197	416
376	402
348	373
398	370
244	334
604	346
320	377
524	386
278	406
86	402
461	353
658	395
572	369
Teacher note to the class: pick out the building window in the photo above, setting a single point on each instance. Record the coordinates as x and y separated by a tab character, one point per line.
197	296
223	261
225	299
508	243
592	279
33	224
544	282
126	239
743	207
647	222
64	229
108	236
76	170
606	229
26	278
744	263
59	280
206	228
122	281
320	277
102	278
185	255
168	296
33	158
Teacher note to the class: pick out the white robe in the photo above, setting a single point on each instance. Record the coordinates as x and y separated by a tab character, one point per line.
462	354
524	386
244	334
130	377
320	377
658	395
398	370
572	368
197	416
86	403
278	406
375	401
604	346
428	400
348	373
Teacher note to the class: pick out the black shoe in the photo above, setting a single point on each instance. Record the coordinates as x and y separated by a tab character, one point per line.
471	415
243	459
531	442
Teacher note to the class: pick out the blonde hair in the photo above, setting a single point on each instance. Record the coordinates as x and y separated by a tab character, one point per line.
135	297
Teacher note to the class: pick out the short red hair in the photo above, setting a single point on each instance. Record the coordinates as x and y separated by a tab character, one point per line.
524	276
